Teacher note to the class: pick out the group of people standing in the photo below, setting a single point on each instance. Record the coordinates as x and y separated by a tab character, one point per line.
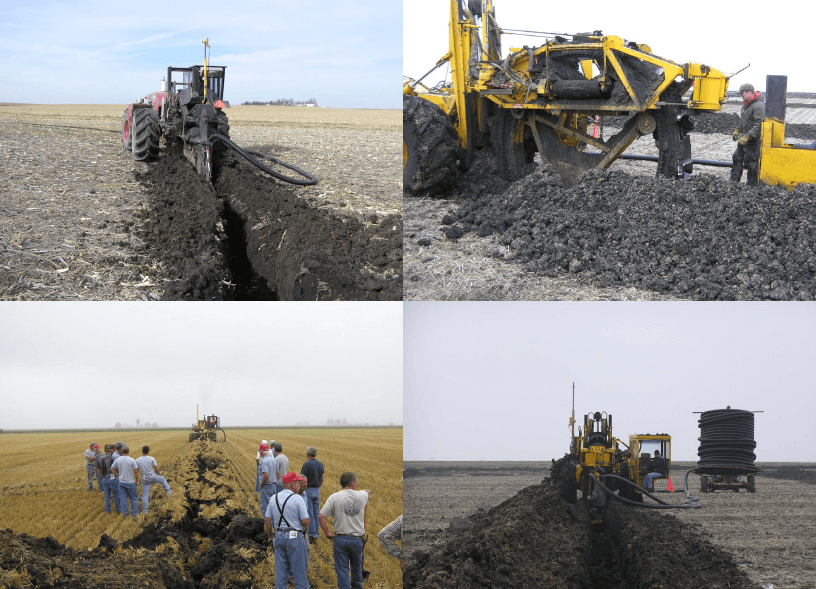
117	475
291	510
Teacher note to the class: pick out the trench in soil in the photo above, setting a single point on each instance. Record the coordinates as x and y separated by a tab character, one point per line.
260	239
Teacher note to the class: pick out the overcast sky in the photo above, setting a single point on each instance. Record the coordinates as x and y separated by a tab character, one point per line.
721	34
92	365
344	53
493	381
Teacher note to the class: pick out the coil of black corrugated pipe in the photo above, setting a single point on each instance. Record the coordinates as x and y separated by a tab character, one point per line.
726	439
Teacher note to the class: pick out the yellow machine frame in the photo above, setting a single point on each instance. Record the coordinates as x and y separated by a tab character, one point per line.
709	84
781	163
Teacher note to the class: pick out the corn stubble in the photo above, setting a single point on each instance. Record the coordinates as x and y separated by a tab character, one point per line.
192	537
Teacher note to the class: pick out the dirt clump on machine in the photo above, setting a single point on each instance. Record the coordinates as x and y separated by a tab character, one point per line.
536	539
258	240
703	238
202	541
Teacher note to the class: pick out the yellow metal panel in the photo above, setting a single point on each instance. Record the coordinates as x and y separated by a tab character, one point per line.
781	163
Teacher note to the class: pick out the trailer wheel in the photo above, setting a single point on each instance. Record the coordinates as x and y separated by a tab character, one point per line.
511	156
751	484
429	147
704	484
671	134
126	141
145	134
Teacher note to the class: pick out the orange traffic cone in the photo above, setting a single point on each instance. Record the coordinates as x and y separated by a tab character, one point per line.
597	133
670	487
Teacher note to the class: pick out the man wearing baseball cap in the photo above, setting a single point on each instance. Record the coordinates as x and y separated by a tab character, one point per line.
267	483
347	510
287	515
746	156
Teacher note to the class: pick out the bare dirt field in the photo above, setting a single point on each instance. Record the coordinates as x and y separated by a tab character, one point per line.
504	525
79	219
621	234
207	533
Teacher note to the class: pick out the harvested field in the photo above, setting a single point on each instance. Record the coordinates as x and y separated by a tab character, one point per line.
208	533
81	220
499	524
621	234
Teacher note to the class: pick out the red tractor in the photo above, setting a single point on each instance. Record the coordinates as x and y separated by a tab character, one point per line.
187	110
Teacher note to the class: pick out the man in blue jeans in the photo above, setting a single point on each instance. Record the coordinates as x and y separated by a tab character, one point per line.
126	469
347	510
150	476
287	515
312	469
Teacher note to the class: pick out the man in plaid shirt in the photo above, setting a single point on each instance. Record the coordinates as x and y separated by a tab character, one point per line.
388	537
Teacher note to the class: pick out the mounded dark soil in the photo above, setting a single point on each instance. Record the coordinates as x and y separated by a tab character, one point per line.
537	540
704	238
205	552
258	240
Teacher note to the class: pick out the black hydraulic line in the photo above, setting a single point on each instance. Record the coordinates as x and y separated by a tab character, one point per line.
660	505
311	179
654	158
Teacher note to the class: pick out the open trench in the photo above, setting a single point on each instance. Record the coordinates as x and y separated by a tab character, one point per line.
536	539
257	239
199	539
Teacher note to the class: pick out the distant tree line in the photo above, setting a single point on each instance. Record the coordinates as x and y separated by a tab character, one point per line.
283	102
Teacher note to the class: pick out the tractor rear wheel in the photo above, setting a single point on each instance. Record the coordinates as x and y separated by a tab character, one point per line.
511	156
430	146
126	141
671	134
145	134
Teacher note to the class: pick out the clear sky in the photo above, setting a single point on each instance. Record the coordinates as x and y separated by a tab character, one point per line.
775	39
344	53
493	381
92	365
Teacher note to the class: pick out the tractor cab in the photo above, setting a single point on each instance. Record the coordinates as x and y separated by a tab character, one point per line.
188	82
649	453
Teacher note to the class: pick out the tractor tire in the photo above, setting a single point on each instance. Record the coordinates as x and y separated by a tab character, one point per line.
145	134
430	147
126	141
193	437
673	142
511	157
212	436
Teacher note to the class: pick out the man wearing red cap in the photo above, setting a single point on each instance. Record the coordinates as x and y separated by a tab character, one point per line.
287	514
347	510
267	483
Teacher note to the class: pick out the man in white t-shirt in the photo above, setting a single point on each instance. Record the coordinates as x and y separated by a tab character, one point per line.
347	510
90	465
287	515
150	476
127	471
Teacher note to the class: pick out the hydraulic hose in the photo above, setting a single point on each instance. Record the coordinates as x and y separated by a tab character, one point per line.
311	179
660	505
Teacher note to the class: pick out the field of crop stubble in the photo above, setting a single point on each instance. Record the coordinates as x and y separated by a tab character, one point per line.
79	219
733	540
208	533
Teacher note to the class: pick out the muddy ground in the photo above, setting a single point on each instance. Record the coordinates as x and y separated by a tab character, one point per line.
79	219
503	525
621	234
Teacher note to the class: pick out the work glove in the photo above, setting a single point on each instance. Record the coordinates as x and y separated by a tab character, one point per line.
743	140
735	134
